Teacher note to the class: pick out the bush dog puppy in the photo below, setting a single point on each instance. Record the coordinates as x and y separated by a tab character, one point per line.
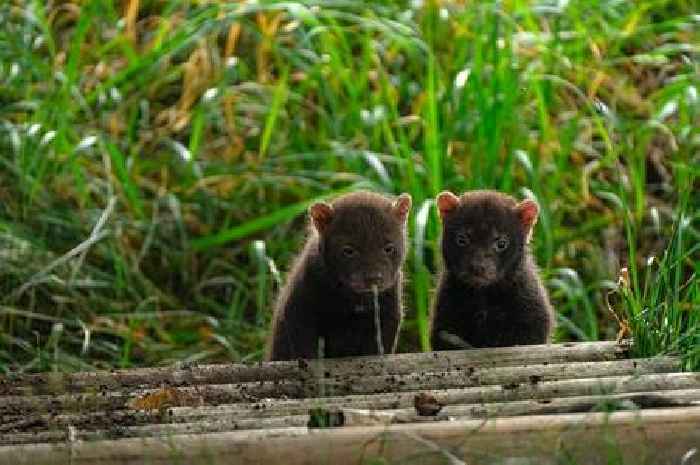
489	292
357	244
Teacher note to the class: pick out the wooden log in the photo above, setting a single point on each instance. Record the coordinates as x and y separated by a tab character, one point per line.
660	436
464	376
636	400
111	401
577	404
542	398
469	376
58	430
39	437
143	378
631	400
37	422
475	395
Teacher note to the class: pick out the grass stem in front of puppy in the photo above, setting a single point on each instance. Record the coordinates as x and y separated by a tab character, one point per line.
377	321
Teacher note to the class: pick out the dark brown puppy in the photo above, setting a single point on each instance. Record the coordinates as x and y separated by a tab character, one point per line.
489	294
357	242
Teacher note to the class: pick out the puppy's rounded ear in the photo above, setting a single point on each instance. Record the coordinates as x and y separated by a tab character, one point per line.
446	202
321	215
402	206
527	213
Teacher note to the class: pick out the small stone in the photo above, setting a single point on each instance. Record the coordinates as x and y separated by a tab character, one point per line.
426	405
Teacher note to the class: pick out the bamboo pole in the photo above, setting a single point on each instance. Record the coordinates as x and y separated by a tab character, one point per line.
142	378
660	436
349	385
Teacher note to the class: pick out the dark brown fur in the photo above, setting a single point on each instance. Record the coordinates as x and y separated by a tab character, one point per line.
355	243
489	293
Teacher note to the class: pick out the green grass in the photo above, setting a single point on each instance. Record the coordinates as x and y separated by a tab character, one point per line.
660	302
154	168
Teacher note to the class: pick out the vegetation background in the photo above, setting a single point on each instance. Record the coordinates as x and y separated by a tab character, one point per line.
157	156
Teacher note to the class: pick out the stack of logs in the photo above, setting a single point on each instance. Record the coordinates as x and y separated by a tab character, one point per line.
566	403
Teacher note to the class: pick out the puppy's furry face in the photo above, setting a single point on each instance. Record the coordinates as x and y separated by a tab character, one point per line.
362	238
484	235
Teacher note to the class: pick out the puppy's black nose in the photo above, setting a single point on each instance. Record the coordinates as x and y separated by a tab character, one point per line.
478	268
374	277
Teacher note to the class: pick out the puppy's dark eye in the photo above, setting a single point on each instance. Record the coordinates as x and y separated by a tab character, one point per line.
389	249
348	251
501	244
462	239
